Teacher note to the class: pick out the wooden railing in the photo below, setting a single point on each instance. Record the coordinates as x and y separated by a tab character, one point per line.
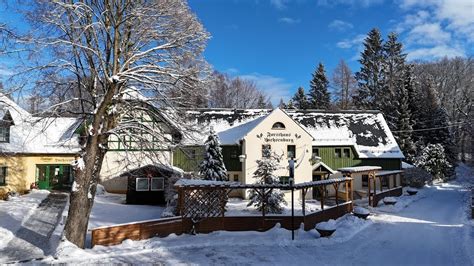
393	192
113	235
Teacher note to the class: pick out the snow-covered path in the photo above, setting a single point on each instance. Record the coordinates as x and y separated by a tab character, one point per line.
31	241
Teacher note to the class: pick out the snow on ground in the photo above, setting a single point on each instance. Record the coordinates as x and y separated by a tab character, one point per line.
238	207
15	211
185	249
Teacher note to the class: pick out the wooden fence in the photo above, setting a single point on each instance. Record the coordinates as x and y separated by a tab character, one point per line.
114	235
393	192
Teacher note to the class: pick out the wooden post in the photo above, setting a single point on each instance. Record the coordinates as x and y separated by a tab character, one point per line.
304	191
346	185
336	188
322	189
181	201
381	178
352	188
370	190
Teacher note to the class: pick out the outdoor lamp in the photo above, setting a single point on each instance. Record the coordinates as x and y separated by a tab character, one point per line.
242	158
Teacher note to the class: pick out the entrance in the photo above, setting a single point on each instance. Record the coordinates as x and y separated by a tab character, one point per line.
54	176
316	192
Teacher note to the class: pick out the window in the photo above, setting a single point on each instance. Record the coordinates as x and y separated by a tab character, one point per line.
5	134
143	184
347	153
278	125
266	148
157	184
3	176
291	151
315	152
236	178
284	180
365	180
337	153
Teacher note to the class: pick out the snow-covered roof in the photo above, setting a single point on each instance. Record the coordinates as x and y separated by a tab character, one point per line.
358	169
366	131
388	172
316	166
406	165
29	134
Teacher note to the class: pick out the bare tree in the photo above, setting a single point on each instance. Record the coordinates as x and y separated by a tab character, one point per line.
228	92
113	57
345	84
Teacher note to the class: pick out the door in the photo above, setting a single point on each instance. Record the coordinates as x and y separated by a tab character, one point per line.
316	192
43	176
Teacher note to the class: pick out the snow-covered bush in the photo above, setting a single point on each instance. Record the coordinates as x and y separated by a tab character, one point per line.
433	159
212	167
264	175
416	177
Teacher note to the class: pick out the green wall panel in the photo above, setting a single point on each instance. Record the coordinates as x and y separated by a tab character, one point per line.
188	158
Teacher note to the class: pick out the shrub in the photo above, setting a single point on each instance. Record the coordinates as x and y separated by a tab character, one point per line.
416	177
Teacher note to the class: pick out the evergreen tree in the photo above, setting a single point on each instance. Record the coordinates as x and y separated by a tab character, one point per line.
318	96
393	78
370	76
300	101
282	104
433	160
404	129
261	102
264	175
290	104
212	167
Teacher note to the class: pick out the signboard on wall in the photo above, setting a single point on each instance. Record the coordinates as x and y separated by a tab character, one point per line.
278	137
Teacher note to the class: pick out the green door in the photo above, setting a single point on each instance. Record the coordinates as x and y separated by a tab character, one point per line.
43	176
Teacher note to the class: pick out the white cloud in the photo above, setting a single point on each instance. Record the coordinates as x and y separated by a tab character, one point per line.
355	3
288	20
340	25
349	43
437	28
279	4
435	52
428	34
276	88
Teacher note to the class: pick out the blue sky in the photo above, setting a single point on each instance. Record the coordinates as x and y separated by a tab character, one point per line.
278	43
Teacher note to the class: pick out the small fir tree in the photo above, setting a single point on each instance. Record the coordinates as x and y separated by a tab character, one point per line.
433	160
212	167
300	101
318	96
264	175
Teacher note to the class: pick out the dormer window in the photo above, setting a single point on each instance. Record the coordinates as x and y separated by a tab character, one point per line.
4	133
278	125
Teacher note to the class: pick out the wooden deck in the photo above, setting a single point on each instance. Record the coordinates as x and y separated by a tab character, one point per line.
114	235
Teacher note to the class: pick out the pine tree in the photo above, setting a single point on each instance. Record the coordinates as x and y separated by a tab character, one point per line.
264	175
393	77
282	104
212	167
290	104
370	76
433	160
300	101
404	129
318	96
261	102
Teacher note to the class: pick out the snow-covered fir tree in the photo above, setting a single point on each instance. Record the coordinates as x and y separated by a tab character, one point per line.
282	104
433	160
318	96
393	78
370	76
212	167
265	175
404	127
300	101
